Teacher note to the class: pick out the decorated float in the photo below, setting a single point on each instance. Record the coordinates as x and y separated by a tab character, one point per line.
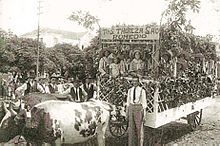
179	74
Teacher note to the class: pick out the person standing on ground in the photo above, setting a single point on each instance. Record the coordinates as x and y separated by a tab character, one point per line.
136	103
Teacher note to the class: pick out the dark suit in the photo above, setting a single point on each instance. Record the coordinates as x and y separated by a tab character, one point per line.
31	89
89	90
53	89
76	97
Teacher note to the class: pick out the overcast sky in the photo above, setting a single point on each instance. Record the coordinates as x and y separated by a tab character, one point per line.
20	16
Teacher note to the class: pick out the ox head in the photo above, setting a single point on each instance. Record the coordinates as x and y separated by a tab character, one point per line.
8	125
7	112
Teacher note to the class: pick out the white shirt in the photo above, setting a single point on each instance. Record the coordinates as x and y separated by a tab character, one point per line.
60	88
67	91
136	65
28	113
43	88
115	70
140	96
21	89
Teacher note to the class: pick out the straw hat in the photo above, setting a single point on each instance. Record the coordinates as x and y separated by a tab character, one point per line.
53	76
136	51
42	77
168	54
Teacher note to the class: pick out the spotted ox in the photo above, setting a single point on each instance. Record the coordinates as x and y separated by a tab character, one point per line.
70	122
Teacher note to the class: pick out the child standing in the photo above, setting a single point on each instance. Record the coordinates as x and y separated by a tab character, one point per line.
114	68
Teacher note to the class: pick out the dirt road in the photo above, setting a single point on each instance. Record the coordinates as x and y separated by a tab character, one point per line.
208	133
177	133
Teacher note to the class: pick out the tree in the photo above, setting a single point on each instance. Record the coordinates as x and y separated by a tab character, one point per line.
88	21
176	23
176	12
17	53
64	57
84	19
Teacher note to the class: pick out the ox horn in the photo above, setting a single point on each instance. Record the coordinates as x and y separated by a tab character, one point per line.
11	109
5	107
6	111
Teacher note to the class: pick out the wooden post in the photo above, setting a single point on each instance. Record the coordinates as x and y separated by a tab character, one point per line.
175	67
156	95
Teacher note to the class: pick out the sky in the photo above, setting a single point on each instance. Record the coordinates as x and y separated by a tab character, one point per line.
20	16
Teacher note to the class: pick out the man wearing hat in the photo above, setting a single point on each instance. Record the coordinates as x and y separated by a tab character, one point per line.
53	83
136	103
31	86
89	87
76	92
42	85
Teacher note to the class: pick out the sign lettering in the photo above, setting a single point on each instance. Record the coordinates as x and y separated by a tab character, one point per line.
130	33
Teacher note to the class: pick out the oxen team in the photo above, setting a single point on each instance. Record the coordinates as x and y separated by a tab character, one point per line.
41	118
56	122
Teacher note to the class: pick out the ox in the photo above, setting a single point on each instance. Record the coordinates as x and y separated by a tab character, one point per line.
70	122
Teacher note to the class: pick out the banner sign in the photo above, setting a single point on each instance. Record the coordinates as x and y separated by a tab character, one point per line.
130	33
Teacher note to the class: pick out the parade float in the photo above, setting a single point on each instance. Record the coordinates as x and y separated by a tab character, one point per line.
179	75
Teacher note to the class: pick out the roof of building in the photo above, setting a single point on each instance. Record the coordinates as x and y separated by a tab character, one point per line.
63	33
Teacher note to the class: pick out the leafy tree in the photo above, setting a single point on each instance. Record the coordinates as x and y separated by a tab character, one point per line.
64	57
176	12
91	55
88	21
84	19
17	53
176	23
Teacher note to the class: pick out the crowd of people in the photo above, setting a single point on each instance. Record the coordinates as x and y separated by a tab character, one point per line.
112	65
81	90
74	89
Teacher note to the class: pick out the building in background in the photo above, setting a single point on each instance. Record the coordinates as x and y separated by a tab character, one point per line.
51	37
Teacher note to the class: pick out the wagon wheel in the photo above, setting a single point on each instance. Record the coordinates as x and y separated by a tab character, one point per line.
118	125
194	119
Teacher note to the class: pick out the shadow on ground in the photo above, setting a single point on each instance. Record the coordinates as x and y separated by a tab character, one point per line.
153	137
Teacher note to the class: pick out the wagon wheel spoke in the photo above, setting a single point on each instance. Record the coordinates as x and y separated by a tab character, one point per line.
111	125
114	129
118	128
124	127
197	120
194	119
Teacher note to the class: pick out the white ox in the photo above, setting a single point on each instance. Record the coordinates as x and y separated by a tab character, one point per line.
75	122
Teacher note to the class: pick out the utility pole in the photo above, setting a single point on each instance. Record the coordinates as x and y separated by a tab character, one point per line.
38	38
